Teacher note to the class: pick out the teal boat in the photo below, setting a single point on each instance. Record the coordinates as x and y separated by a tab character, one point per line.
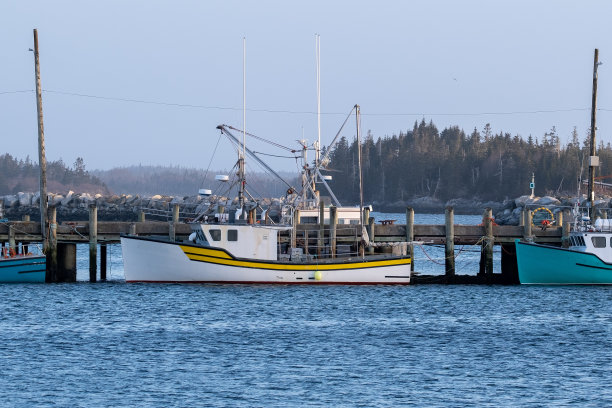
23	269
587	261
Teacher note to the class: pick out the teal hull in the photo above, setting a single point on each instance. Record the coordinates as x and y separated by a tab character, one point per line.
547	265
23	269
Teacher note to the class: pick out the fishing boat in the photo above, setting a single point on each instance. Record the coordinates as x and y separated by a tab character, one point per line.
587	261
26	268
233	247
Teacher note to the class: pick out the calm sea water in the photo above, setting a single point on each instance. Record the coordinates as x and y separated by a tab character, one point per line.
118	344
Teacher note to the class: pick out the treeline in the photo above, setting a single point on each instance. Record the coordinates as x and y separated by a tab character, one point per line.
452	164
23	175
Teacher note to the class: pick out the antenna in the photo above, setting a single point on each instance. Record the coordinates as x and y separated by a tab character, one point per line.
243	152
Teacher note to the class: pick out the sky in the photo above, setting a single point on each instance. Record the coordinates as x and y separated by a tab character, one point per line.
147	82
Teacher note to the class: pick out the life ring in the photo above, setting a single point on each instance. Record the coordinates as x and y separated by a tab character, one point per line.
547	220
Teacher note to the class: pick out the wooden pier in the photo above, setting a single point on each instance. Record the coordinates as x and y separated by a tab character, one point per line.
65	235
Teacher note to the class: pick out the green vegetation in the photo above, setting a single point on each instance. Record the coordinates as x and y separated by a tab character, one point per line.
452	164
23	175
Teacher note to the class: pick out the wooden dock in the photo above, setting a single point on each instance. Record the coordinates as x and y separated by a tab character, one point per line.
65	235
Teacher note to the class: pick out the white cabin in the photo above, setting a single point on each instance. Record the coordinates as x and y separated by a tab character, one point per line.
253	241
597	243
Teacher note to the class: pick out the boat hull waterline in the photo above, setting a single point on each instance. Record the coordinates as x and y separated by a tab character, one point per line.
150	260
547	265
23	269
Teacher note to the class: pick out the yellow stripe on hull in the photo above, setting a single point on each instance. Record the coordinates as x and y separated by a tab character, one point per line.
205	252
222	258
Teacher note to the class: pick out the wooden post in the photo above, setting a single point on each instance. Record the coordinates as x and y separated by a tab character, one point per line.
175	220
141	216
93	242
24	246
295	221
66	255
12	244
559	220
565	234
103	258
306	242
593	146
449	247
372	232
52	263
522	218
42	161
252	216
410	235
509	267
333	222
133	228
489	241
321	237
366	218
527	227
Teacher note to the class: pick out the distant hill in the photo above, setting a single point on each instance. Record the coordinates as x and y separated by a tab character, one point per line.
23	175
182	181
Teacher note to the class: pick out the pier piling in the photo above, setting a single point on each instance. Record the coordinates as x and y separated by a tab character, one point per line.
321	236
93	242
333	223
52	260
66	269
410	235
103	259
449	246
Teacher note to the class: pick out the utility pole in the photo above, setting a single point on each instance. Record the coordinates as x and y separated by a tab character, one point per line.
42	161
593	159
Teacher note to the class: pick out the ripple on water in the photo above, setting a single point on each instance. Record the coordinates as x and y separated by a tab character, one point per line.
141	345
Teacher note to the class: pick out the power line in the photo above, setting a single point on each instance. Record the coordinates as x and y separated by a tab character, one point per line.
373	114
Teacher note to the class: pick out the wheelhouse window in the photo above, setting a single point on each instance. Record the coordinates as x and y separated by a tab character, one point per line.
599	242
215	234
309	220
232	235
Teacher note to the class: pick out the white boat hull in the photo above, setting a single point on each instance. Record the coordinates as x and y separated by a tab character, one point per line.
149	260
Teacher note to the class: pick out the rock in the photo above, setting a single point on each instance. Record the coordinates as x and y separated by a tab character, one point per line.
25	199
548	200
523	200
177	200
54	199
10	201
67	199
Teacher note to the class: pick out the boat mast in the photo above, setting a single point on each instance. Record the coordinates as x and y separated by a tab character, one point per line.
318	146
362	221
593	159
242	153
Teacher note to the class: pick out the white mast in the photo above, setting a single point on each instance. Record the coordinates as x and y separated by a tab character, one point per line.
318	51
243	154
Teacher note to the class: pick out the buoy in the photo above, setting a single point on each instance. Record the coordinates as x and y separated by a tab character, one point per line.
318	275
